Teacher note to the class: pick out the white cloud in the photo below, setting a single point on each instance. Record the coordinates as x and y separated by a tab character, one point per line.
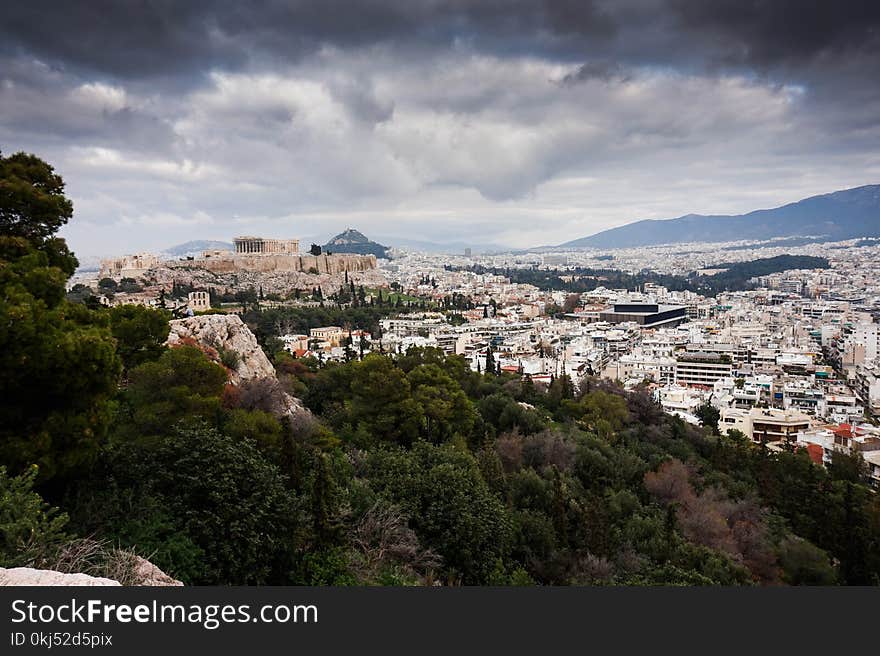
449	146
103	97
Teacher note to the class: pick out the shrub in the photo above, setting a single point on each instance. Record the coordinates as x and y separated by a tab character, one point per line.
30	530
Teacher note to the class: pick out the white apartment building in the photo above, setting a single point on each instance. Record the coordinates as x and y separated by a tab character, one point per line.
764	425
840	407
867	384
697	368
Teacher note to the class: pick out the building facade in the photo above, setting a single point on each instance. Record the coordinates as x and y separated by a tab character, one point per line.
647	315
199	301
262	246
702	369
764	425
128	266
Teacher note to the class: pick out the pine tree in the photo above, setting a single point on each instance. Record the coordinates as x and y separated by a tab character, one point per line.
490	360
560	522
322	502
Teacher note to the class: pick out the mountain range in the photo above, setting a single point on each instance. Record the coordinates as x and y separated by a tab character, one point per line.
196	247
846	214
450	247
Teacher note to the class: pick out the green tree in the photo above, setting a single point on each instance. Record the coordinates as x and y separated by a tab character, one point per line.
709	416
452	509
382	406
849	467
30	529
58	365
257	425
805	564
445	407
604	412
32	200
140	333
211	508
129	285
183	384
504	413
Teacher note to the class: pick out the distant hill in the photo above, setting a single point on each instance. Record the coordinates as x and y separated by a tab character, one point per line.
193	247
451	247
352	241
839	215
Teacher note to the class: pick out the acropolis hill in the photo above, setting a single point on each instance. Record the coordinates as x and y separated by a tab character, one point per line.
275	264
256	254
279	255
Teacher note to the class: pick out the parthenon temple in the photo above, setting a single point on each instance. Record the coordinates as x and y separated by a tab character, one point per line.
261	246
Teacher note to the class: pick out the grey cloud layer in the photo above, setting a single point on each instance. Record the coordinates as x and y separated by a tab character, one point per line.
518	122
161	37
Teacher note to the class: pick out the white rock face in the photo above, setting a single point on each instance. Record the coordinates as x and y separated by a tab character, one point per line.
217	332
225	332
148	574
43	577
144	573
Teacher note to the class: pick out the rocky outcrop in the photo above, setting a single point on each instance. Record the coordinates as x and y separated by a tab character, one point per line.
275	282
219	333
142	573
287	263
44	577
147	574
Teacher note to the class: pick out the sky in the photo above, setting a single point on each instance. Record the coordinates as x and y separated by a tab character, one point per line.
492	122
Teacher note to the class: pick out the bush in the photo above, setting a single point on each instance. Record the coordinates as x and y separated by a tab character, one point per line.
212	508
230	359
30	530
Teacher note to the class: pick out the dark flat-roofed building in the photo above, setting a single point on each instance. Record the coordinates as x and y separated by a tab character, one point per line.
647	315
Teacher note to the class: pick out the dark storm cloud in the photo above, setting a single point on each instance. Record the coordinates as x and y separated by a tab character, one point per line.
160	37
768	33
171	38
606	71
38	102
